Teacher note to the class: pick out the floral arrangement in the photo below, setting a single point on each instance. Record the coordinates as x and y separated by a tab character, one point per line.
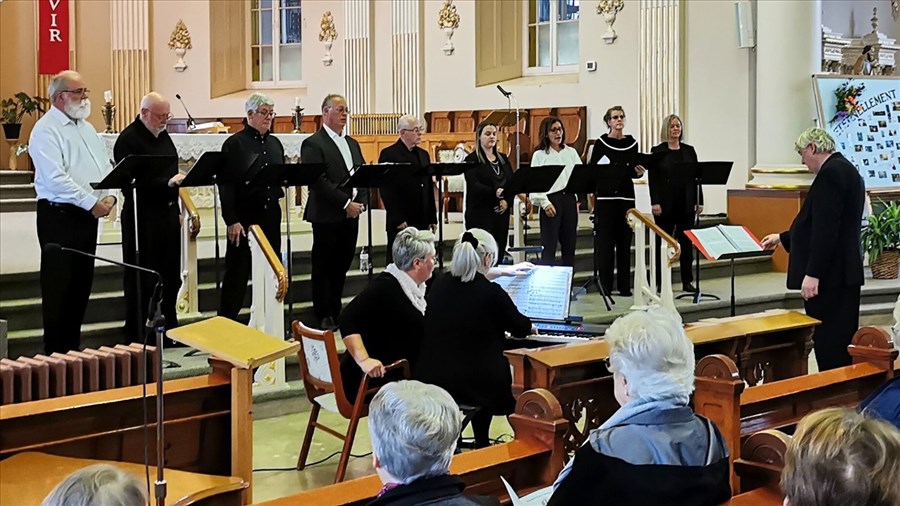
328	32
448	16
847	96
610	6
181	37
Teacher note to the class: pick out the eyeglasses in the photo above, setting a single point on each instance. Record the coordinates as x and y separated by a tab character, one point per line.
416	130
268	114
618	116
79	91
556	129
162	117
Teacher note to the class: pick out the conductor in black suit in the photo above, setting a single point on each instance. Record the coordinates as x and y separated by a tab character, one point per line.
333	211
825	260
410	202
246	204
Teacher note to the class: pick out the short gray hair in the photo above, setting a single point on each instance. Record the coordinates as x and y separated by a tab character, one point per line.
330	98
98	485
823	141
60	83
467	259
414	428
410	244
406	121
151	99
255	100
652	351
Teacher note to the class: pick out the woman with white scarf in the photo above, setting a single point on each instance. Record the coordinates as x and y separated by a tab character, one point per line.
385	322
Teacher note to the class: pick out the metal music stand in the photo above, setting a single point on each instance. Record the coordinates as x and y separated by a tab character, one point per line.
438	171
531	179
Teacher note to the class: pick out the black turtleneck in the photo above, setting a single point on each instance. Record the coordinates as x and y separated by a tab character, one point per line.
243	202
136	139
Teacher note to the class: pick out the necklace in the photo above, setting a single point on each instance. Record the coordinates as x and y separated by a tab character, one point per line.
495	165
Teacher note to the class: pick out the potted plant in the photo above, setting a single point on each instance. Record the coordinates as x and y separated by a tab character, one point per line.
12	110
881	241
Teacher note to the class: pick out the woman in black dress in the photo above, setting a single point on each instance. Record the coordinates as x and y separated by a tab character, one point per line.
465	334
487	205
385	322
675	205
614	235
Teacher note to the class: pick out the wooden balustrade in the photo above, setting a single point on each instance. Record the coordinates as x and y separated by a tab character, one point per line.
646	233
187	300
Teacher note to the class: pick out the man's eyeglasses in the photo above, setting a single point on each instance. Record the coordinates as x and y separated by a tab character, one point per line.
82	92
268	114
162	117
618	116
416	130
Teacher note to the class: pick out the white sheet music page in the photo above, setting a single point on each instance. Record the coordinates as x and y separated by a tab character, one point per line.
714	242
542	294
742	240
536	498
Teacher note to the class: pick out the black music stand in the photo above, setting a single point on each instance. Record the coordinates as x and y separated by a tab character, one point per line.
530	179
439	170
591	179
286	175
731	258
374	175
213	169
132	173
699	174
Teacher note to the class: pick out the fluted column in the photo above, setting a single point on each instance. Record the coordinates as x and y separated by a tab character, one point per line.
130	33
661	55
788	52
407	78
358	68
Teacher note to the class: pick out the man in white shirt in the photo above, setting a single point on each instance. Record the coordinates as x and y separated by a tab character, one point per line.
333	210
68	155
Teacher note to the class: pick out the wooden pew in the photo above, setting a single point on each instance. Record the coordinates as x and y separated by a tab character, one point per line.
766	346
721	396
531	461
207	421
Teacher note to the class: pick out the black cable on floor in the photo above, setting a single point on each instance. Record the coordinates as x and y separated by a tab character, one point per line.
274	469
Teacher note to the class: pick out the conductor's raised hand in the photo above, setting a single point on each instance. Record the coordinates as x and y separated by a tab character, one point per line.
235	232
354	209
374	368
771	241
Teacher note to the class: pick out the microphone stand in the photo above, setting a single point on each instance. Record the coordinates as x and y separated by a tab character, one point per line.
157	322
510	96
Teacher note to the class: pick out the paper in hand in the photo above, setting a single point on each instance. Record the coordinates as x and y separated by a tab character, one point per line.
536	498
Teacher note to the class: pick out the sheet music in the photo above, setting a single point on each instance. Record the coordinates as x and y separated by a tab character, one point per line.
542	294
536	498
740	238
714	241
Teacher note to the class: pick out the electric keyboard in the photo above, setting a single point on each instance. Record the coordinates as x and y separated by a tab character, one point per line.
564	333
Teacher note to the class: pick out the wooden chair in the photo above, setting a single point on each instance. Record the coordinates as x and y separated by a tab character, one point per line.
457	196
324	388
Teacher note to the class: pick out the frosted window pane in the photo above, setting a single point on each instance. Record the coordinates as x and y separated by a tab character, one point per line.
266	65
266	28
254	61
544	46
567	43
291	62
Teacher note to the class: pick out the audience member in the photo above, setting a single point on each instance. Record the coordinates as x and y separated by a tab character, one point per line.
98	485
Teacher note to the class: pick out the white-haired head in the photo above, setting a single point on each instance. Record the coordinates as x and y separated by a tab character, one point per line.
414	428
411	251
98	485
475	252
60	83
256	100
651	352
155	112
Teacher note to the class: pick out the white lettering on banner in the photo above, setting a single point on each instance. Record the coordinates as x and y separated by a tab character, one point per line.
54	4
53	19
54	35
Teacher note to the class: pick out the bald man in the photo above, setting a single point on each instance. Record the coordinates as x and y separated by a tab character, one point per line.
157	243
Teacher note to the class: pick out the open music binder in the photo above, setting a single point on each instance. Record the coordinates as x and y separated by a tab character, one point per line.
724	242
541	294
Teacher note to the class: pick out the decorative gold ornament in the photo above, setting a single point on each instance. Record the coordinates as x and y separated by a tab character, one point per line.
448	21
608	9
180	42
328	33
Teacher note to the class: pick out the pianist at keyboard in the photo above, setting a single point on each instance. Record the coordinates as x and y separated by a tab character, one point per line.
465	326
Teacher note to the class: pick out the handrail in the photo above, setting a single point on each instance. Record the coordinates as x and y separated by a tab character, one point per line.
191	209
274	262
658	231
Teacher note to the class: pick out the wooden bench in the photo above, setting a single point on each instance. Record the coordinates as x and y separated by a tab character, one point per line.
721	395
208	424
531	461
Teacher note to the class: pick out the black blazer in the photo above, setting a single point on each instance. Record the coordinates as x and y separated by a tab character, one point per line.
411	201
482	184
664	190
326	199
824	241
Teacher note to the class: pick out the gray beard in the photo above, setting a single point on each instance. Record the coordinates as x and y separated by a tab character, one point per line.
79	112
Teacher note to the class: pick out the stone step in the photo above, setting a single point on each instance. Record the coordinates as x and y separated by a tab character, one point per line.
16	177
17	191
21	205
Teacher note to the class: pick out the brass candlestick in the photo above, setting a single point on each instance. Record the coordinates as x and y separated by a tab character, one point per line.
296	117
109	113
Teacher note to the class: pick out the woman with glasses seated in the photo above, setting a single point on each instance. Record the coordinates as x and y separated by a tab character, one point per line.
559	212
465	334
385	322
614	236
487	202
655	437
158	227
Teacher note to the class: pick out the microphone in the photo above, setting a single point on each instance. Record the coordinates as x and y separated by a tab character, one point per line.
190	121
505	93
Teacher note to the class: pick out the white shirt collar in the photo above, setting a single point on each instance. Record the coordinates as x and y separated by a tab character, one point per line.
60	116
333	134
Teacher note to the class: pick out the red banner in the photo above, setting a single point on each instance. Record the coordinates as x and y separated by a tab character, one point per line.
53	36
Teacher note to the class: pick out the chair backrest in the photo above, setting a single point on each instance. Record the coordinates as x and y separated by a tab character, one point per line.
320	365
588	149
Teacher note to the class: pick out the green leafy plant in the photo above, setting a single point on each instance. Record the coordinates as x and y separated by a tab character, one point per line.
12	110
882	232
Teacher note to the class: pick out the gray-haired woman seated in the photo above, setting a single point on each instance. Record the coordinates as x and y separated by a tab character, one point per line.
385	322
414	427
465	327
98	485
654	449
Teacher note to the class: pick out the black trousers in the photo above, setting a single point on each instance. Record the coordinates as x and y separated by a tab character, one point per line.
614	238
66	278
493	223
561	229
334	245
837	308
239	263
675	225
158	248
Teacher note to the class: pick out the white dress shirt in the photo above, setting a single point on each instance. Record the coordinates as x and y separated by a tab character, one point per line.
340	139
567	157
68	155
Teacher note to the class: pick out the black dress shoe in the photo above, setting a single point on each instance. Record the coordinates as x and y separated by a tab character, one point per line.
328	324
625	293
688	287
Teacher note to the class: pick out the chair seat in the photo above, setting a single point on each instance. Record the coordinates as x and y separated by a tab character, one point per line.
328	402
